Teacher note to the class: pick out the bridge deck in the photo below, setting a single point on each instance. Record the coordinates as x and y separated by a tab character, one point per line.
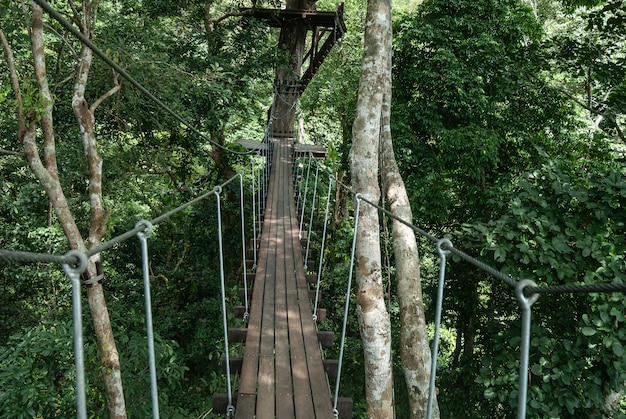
282	374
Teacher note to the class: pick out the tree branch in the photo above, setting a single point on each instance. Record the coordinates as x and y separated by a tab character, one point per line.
180	186
229	15
8	56
595	111
4	152
46	100
108	94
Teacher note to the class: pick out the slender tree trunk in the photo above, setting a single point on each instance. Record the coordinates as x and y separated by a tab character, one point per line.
374	320
84	113
414	348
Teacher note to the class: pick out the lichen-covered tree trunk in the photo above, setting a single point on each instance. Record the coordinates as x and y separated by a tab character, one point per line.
414	347
84	113
374	323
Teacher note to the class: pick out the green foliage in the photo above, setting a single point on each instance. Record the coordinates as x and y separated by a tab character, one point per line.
473	103
492	156
585	47
37	373
563	225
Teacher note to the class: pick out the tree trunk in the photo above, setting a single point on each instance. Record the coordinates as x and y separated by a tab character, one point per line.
414	347
291	44
374	320
98	222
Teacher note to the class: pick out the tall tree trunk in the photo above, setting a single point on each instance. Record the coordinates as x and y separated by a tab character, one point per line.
374	320
291	44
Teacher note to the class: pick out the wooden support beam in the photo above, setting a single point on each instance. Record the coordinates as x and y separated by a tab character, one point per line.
331	366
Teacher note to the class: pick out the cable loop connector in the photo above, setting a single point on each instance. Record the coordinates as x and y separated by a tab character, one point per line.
444	246
336	413
147	225
230	411
358	196
217	190
80	258
525	301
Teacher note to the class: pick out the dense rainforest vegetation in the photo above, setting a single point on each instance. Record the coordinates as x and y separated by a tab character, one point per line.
507	122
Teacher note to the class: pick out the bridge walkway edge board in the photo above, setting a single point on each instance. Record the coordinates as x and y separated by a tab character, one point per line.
247	394
318	382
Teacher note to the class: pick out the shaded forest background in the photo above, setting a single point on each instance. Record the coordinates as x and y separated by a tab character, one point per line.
508	126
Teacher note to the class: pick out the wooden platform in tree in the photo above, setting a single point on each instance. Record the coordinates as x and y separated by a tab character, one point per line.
283	374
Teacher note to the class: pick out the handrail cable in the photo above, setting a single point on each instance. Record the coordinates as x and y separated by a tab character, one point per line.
102	55
72	259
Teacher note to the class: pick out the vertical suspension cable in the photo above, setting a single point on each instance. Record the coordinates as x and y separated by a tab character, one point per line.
306	186
254	219
143	239
246	314
299	171
308	238
230	410
77	313
263	175
347	304
258	197
321	259
526	304
433	366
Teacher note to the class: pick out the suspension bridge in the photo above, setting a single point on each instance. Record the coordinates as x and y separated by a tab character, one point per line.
282	372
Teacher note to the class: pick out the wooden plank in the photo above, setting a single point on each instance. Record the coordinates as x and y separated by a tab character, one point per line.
326	339
239	311
331	366
220	402
246	404
237	334
253	144
344	406
321	314
284	391
301	386
265	404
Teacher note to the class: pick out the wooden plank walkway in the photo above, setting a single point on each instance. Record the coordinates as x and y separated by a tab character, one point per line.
283	374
